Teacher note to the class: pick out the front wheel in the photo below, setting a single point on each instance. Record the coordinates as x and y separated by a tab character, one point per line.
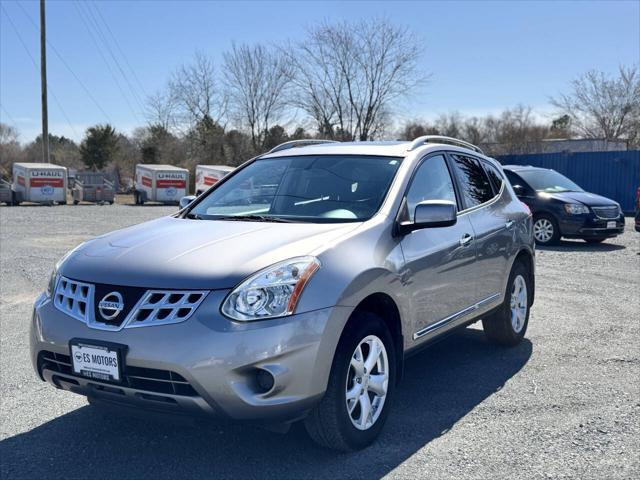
545	230
361	383
507	325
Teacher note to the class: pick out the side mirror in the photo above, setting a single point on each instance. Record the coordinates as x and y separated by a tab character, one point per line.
184	201
431	214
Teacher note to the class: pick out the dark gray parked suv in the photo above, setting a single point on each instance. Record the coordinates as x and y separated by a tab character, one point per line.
294	288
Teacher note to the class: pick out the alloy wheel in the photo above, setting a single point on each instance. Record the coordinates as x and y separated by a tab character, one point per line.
543	230
367	382
518	303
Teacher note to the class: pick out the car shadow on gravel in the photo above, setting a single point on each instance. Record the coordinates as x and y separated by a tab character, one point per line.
441	386
148	205
581	246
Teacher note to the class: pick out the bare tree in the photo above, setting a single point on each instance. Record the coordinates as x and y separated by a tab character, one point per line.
474	130
196	92
515	130
257	79
10	149
601	106
160	109
348	75
320	82
201	110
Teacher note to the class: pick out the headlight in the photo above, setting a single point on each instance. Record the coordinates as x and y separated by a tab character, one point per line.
53	281
272	292
575	208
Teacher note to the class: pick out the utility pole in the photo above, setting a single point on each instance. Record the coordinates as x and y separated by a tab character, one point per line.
43	80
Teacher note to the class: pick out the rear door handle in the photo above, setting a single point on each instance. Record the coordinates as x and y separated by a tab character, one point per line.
509	224
466	240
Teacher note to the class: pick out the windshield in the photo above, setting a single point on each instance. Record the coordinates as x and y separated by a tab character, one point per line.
321	188
548	181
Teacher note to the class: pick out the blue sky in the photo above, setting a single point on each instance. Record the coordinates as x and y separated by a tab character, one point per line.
482	56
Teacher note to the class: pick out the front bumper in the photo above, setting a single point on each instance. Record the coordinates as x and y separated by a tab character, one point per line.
205	365
590	226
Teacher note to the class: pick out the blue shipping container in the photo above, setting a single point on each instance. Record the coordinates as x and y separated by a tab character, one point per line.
615	175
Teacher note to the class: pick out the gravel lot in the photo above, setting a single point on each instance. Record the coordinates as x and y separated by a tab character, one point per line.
565	403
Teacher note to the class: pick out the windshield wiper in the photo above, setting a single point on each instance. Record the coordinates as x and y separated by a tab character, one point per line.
253	218
193	216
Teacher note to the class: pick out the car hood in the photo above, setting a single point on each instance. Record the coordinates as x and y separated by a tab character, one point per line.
590	199
203	254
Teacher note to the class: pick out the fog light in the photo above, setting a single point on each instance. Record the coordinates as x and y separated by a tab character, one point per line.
265	380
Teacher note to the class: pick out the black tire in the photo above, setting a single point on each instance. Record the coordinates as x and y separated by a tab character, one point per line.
498	326
329	423
76	202
136	198
595	240
555	234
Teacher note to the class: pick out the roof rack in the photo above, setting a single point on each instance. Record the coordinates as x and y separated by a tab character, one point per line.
440	139
299	143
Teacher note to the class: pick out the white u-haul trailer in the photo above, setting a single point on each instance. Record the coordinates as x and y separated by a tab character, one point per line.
208	175
39	183
160	183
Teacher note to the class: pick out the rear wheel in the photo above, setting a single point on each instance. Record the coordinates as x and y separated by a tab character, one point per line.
361	383
545	230
508	324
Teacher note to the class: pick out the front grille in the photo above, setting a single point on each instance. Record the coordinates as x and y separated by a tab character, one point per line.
147	379
606	212
74	298
140	307
130	297
159	307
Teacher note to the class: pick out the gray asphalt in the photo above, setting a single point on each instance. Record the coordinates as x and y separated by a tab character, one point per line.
563	404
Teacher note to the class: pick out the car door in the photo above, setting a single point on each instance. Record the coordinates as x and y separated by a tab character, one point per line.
487	207
439	262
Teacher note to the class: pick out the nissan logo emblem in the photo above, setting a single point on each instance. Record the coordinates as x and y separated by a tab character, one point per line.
111	305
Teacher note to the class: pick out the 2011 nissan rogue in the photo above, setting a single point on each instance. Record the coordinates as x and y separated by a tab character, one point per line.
294	288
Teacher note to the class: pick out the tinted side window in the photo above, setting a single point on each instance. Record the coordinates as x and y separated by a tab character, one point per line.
512	177
494	175
475	185
515	179
430	182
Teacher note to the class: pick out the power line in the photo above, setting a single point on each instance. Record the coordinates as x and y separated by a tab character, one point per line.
135	95
35	64
61	58
115	40
8	114
113	75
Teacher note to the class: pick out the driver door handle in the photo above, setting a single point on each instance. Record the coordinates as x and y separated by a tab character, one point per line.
466	240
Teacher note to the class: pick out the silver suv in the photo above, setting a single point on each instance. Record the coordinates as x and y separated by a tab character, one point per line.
294	288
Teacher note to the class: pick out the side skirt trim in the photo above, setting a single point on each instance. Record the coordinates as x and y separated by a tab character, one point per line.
455	316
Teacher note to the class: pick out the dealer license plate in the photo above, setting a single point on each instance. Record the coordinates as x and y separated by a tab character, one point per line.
611	224
96	361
